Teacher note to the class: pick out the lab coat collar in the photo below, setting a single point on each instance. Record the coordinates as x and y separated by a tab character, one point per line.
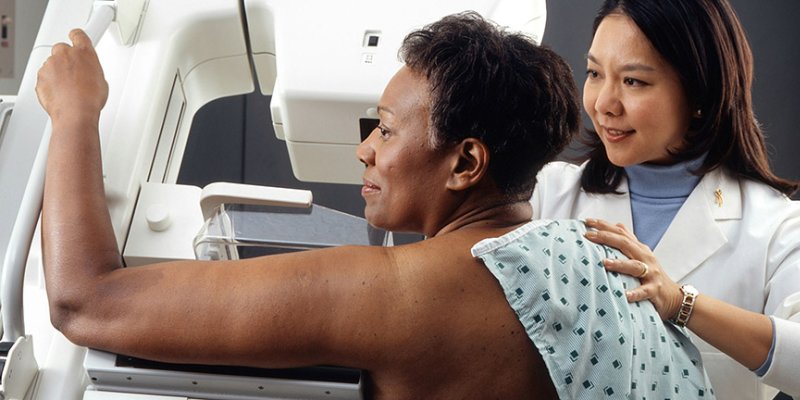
694	234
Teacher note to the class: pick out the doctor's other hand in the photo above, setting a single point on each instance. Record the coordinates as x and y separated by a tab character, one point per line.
70	83
656	286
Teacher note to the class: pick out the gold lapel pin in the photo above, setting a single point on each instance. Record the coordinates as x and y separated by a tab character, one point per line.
718	197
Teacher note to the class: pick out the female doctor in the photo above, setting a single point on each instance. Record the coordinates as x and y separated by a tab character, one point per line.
678	161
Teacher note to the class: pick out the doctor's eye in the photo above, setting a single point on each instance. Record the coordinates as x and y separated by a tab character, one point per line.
633	82
592	74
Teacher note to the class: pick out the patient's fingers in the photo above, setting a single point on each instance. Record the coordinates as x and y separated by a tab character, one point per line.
79	38
59	48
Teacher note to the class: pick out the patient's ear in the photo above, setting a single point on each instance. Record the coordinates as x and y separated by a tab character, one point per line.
470	164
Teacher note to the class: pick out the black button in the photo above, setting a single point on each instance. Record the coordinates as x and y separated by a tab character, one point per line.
372	41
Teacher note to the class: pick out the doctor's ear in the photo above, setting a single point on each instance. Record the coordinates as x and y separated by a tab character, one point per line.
470	164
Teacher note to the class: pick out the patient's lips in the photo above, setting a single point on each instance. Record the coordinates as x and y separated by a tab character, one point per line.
369	188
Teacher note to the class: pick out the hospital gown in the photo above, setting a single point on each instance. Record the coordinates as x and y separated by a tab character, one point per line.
595	344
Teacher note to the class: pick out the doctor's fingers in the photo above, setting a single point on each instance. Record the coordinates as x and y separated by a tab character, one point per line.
603	225
654	292
635	268
625	242
665	295
654	283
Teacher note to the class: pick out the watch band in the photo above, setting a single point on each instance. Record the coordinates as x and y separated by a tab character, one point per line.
685	311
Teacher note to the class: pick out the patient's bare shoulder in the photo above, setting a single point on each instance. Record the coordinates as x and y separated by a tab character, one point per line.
455	330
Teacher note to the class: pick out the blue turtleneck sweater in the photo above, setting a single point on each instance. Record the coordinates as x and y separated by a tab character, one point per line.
657	193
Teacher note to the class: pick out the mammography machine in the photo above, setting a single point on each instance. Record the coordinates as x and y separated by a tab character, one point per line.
324	63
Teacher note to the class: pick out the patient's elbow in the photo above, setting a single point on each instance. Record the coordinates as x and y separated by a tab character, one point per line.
74	299
62	314
66	315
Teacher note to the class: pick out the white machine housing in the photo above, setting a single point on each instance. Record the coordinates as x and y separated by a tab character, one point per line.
329	76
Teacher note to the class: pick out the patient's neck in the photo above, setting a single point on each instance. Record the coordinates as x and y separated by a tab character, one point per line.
487	212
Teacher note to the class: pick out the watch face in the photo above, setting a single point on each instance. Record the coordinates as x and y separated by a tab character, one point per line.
690	290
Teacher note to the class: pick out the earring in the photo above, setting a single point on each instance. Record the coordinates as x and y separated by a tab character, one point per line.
698	113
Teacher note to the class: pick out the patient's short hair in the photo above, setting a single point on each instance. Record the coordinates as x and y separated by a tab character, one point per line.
502	88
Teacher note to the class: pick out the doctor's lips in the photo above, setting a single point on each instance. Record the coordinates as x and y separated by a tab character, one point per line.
615	135
369	188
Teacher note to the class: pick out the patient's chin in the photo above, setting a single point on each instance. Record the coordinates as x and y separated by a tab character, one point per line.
380	222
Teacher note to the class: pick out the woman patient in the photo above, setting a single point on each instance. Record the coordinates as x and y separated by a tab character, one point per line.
491	305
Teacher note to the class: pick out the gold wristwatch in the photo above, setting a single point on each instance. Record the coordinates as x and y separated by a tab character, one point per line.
685	311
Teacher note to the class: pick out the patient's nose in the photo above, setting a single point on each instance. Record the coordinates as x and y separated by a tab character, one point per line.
364	151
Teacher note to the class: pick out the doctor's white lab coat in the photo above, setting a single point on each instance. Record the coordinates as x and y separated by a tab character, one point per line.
742	247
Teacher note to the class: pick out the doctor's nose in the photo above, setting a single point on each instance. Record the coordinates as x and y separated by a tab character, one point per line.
607	101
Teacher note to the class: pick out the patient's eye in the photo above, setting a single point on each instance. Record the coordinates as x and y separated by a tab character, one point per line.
384	132
592	74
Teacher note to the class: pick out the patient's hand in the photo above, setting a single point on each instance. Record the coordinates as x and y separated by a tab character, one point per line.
656	286
71	83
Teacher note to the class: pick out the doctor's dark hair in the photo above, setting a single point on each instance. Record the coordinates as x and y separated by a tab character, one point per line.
501	88
706	44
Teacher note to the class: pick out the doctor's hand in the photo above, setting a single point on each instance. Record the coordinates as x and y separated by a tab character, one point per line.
70	83
656	286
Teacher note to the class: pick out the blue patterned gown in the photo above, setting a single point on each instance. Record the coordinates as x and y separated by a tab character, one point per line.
595	344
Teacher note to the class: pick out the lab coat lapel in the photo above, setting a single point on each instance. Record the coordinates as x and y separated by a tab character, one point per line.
614	208
694	233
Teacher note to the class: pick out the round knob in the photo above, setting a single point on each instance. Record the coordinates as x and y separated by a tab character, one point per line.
158	218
